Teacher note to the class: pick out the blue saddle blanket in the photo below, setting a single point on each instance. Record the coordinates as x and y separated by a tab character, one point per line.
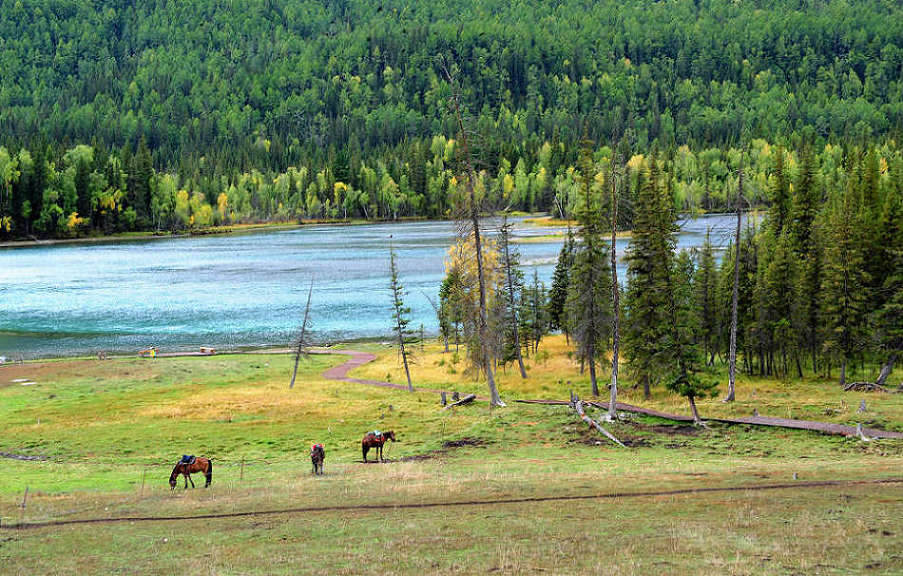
187	460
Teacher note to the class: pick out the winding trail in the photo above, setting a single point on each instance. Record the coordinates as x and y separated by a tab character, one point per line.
459	503
358	359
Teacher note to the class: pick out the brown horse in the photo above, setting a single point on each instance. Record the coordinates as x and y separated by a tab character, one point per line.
186	469
372	440
317	455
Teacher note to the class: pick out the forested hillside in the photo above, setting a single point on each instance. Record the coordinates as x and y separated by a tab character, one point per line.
345	101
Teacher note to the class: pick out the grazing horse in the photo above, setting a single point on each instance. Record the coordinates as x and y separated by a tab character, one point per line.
186	469
317	455
376	440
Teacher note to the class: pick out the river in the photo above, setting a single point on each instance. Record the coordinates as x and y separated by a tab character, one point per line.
240	291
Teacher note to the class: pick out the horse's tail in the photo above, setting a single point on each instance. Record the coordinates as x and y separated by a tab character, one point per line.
209	473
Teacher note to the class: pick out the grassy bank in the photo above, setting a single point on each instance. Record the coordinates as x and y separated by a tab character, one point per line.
109	431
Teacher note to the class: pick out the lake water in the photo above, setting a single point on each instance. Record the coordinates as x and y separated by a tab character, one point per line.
238	291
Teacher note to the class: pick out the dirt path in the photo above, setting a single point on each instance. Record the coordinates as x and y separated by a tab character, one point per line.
813	425
358	359
457	503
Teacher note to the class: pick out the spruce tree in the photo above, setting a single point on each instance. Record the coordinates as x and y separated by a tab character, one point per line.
401	317
681	348
649	258
560	279
513	288
844	282
589	300
705	285
781	201
888	321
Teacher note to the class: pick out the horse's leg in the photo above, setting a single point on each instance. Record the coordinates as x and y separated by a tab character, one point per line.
190	480
364	449
186	480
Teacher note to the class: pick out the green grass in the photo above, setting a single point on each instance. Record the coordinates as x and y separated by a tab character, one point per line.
111	431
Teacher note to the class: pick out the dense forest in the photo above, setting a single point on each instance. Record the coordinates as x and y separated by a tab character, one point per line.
119	116
819	278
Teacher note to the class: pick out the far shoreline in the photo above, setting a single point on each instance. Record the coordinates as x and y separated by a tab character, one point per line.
531	220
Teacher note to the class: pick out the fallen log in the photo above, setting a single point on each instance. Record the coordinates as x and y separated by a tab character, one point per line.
812	425
864	387
466	400
577	406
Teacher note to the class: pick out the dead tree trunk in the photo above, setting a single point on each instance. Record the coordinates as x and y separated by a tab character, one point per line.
466	400
577	406
303	337
886	370
474	212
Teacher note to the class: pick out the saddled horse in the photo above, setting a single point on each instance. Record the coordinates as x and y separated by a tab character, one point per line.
317	455
186	469
372	440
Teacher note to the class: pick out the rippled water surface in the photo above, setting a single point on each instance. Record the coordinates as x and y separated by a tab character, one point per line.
235	291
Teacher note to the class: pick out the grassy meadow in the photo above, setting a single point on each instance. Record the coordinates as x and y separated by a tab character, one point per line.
108	433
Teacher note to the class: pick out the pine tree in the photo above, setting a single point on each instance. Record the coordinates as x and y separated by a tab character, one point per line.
560	279
844	281
534	314
778	289
681	348
450	306
781	202
706	292
514	280
649	258
588	303
888	321
401	316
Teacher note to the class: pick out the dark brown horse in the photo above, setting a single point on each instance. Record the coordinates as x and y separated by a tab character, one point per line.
372	440
186	469
317	455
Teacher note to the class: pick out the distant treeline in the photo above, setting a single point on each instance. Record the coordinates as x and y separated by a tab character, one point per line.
83	190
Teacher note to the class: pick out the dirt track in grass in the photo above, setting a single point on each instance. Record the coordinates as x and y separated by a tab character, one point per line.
358	359
457	503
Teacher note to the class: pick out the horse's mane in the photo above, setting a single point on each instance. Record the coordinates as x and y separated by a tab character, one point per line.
175	471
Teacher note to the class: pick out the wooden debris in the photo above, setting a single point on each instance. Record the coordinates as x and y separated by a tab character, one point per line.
466	400
864	387
577	406
812	425
862	407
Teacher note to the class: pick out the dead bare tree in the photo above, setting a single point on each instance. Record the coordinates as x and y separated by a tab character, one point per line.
302	338
473	215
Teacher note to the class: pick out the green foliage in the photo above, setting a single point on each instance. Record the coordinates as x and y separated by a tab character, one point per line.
649	261
560	281
588	307
230	97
